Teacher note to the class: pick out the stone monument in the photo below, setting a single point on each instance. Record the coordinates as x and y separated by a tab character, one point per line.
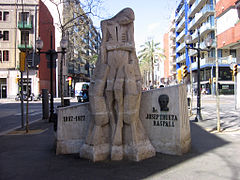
115	129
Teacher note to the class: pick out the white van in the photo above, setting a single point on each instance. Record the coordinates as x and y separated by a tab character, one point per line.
78	89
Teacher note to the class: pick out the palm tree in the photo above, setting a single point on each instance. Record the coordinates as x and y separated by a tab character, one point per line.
148	54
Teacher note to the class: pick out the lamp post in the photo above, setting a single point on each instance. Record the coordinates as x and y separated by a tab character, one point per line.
51	55
208	43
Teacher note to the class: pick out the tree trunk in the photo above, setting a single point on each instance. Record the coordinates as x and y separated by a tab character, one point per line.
152	71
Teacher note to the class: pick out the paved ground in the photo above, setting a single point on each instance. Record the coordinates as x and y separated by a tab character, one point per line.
213	156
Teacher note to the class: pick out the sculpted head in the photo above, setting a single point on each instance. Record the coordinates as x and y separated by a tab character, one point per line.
125	16
163	102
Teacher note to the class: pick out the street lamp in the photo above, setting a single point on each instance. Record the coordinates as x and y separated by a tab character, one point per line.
208	43
51	55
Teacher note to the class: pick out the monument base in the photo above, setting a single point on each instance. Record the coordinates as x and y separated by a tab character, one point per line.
95	153
139	151
68	146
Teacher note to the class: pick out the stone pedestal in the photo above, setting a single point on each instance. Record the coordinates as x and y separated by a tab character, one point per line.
164	114
73	122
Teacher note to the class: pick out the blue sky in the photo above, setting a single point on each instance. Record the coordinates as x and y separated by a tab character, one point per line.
152	17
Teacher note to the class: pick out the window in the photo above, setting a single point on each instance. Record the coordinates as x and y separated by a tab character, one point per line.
0	56
24	16
24	37
5	16
5	35
5	55
219	52
233	52
0	15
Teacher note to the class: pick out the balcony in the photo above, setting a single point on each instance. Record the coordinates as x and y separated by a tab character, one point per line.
181	58
204	62
227	60
203	46
181	25
180	14
206	11
180	47
192	52
24	25
180	36
195	7
22	46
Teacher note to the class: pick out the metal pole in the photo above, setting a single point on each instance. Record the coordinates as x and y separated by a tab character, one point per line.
191	87
217	69
199	116
27	124
51	80
22	105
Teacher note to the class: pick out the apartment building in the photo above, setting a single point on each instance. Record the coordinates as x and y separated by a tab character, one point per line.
196	17
20	26
228	33
84	42
170	53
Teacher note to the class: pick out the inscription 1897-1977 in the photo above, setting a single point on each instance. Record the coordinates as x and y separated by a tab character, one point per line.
73	118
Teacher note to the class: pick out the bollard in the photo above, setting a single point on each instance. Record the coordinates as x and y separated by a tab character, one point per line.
188	101
66	101
45	104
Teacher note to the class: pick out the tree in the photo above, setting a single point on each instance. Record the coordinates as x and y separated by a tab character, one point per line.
69	16
148	55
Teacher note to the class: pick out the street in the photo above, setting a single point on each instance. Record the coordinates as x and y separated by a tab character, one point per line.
10	113
229	116
212	156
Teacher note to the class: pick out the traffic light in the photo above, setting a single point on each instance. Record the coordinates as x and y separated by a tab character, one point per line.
235	69
69	81
210	81
185	71
179	75
17	79
22	61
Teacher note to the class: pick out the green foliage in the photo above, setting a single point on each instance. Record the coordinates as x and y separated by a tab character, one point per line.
149	54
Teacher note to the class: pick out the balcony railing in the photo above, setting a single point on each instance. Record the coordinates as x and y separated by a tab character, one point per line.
24	25
181	25
180	36
208	9
207	60
203	46
180	13
179	48
211	60
181	58
22	46
227	60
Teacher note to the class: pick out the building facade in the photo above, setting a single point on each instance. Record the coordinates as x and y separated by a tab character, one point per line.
170	54
19	25
196	17
84	41
228	33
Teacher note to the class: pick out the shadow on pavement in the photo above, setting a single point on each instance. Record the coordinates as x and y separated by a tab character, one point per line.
33	157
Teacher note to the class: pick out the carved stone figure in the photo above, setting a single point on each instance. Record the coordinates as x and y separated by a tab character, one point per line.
115	130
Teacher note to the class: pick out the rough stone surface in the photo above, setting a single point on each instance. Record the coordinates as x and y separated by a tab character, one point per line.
167	123
115	129
72	128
